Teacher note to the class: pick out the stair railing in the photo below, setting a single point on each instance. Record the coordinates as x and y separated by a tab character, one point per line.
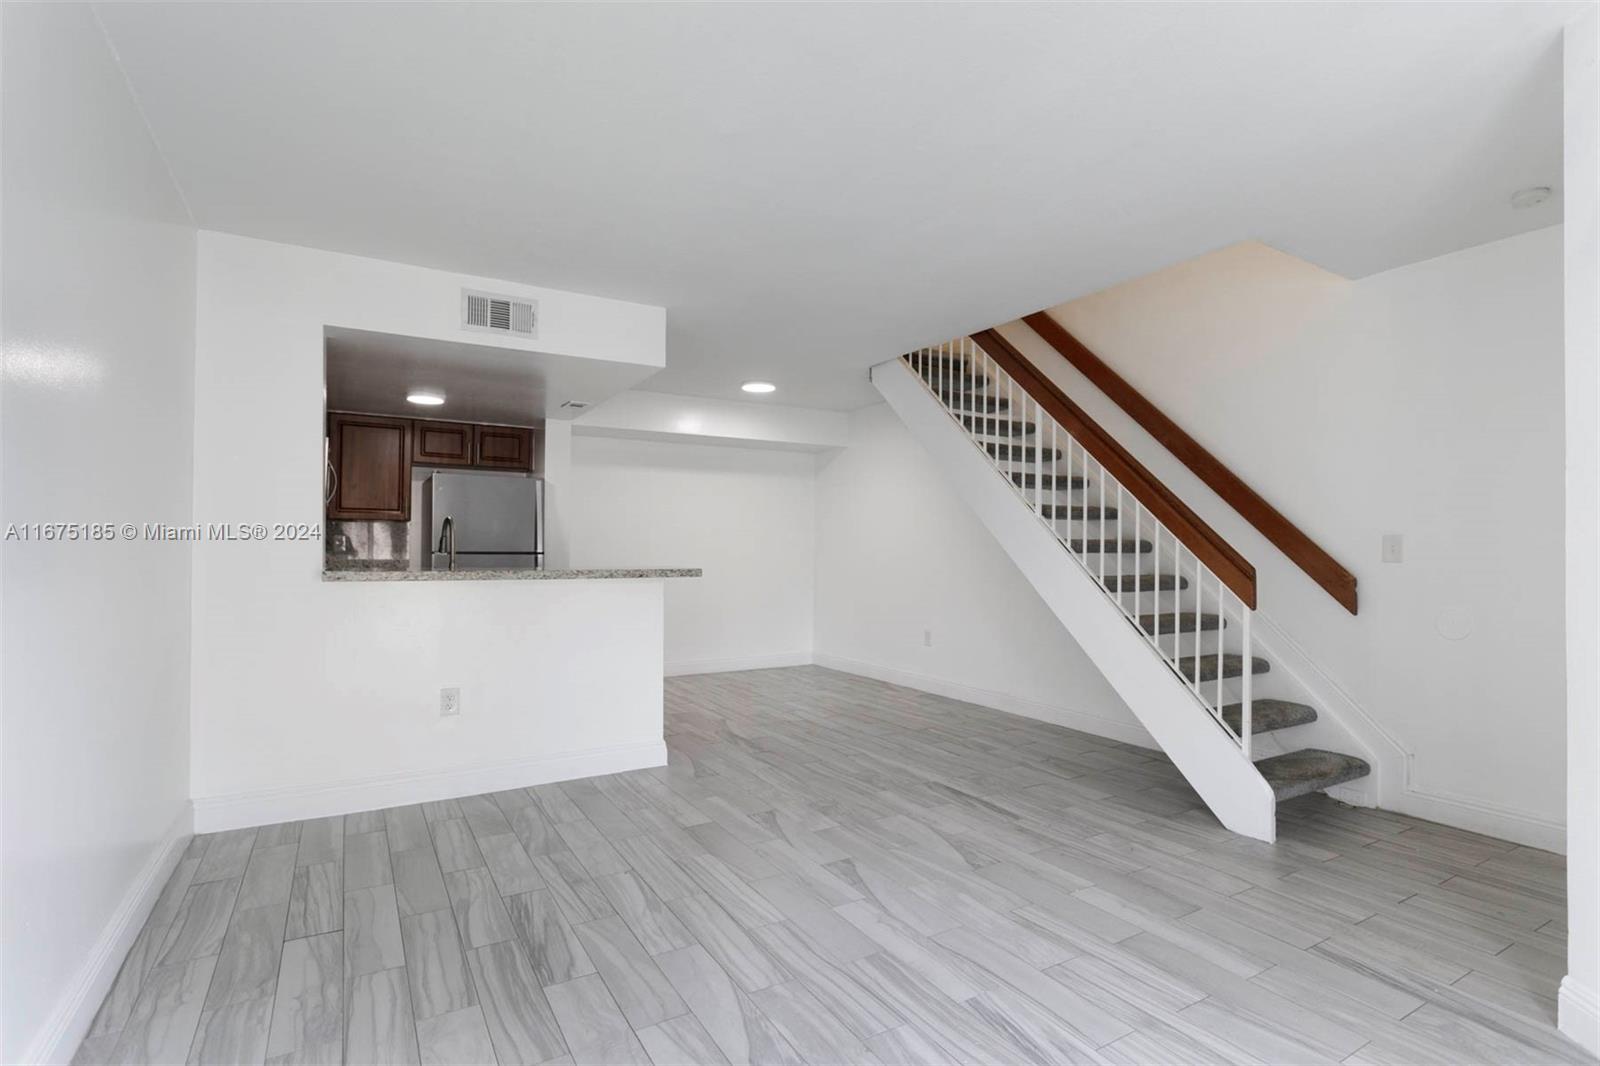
1077	470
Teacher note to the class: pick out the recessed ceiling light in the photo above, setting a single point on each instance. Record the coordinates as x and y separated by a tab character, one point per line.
426	399
759	386
1530	197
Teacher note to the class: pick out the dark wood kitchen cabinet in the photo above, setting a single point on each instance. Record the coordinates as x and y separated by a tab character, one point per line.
441	443
502	447
370	457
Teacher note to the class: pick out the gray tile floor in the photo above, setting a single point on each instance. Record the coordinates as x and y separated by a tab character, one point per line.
837	870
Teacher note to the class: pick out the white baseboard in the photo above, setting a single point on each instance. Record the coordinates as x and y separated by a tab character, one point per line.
1129	732
67	1025
749	662
1475	816
267	806
1578	1014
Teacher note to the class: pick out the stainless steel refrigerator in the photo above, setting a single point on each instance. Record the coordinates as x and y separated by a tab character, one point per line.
491	521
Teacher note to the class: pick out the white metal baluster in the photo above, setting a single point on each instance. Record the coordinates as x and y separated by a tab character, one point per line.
1002	396
1138	560
1100	523
1039	444
1222	627
1177	616
1156	529
1072	466
941	373
1194	637
1245	710
1177	604
1055	496
1119	537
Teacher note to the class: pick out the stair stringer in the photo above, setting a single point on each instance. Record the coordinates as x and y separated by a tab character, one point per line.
1213	764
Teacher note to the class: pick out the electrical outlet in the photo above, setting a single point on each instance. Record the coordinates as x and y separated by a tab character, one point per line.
927	638
449	702
1394	548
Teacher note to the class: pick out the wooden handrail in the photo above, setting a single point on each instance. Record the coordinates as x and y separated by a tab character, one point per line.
1321	567
1206	543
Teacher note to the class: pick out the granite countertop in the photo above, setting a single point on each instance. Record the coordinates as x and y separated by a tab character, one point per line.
508	575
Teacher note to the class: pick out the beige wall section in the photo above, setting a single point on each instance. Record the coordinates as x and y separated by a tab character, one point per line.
1425	401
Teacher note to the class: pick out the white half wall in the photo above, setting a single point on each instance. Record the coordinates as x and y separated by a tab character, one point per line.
912	589
95	401
1425	401
314	697
744	515
558	679
1579	1010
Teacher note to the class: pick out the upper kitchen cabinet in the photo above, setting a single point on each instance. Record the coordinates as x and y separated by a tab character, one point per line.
503	447
441	443
370	460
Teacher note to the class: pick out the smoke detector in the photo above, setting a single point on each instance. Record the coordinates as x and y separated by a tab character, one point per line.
489	312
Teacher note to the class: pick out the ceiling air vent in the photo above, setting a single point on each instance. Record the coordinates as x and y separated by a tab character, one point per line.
493	313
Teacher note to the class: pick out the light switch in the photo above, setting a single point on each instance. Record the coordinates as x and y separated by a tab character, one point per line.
1394	548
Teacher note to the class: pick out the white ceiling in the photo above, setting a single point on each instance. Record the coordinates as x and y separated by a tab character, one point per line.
809	189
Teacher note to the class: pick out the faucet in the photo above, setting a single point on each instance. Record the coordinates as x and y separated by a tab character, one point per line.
447	540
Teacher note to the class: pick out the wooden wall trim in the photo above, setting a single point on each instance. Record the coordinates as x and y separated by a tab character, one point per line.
1304	552
1206	543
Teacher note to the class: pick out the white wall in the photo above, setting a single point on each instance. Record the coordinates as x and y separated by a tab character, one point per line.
311	695
1426	401
1579	1013
660	416
744	515
899	554
98	320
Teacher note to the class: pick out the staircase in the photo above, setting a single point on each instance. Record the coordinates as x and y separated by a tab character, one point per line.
1158	600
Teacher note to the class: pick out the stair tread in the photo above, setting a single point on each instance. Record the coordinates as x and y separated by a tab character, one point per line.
1296	773
1179	622
1077	512
1049	482
921	359
1145	582
997	427
1021	453
955	382
1111	546
970	403
1269	715
1232	666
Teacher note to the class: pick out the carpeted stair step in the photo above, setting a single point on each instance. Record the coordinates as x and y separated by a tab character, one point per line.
1145	582
1111	546
997	427
1232	666
1048	482
1179	622
1020	453
966	402
957	383
935	359
1062	512
1296	773
1269	715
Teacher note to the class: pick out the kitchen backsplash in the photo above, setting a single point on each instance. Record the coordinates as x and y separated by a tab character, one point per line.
366	546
